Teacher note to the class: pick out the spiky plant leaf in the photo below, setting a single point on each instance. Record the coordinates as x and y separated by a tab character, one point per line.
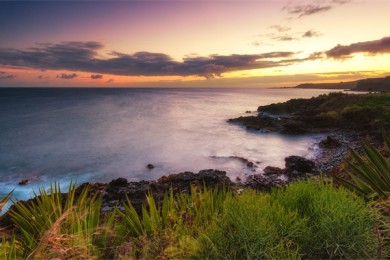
6	198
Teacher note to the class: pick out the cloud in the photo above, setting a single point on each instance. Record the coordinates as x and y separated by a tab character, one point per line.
311	9
304	10
110	81
311	34
284	38
280	28
96	76
4	75
82	56
371	47
67	76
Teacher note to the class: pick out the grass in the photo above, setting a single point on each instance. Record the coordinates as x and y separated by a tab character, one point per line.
304	220
5	199
370	177
58	226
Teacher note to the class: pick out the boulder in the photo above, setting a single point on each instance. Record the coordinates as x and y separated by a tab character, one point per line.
263	183
24	182
270	170
329	143
297	165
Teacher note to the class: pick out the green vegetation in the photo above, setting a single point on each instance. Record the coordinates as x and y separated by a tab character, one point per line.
307	219
58	226
6	198
351	111
370	177
370	174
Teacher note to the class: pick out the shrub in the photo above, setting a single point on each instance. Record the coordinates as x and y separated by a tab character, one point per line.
304	220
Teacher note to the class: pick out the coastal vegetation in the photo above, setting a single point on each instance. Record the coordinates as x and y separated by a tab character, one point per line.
205	216
359	112
305	220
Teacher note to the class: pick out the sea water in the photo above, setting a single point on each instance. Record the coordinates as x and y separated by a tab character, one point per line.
97	135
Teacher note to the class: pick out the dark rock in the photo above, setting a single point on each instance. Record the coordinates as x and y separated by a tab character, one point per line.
24	182
238	178
250	164
297	165
119	189
329	143
270	170
263	183
150	166
294	127
118	182
248	111
259	122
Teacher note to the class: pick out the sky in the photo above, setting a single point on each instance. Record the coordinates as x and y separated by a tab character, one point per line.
198	43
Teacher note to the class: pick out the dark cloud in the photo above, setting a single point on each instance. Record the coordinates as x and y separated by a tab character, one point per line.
304	10
67	76
81	56
311	34
371	47
96	76
310	9
4	75
110	81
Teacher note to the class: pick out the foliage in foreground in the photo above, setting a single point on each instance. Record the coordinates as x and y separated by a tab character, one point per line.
304	220
371	178
58	226
370	174
5	199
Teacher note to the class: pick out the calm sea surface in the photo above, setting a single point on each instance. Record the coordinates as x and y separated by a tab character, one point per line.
100	134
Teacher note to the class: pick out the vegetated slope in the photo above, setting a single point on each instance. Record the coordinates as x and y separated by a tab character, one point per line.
364	112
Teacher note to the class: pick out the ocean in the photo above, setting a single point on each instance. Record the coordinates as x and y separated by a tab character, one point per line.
96	135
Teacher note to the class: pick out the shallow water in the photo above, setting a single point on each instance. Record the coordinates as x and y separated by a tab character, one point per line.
100	134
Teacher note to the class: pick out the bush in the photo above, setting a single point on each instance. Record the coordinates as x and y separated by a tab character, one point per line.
304	220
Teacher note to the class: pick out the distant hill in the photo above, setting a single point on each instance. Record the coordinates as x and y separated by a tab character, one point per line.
374	84
370	84
339	85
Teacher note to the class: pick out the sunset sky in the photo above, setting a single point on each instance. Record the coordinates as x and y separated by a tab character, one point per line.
216	43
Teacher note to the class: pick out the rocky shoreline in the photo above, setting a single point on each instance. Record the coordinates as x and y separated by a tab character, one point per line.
331	152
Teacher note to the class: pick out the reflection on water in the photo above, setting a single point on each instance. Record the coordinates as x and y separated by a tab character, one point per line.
100	134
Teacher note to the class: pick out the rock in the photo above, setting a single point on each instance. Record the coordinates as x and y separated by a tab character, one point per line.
119	189
118	182
259	122
248	111
150	166
270	170
330	143
24	182
238	178
263	183
297	165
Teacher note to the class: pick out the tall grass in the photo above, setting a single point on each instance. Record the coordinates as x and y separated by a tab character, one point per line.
370	176
169	229
5	199
305	220
55	225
